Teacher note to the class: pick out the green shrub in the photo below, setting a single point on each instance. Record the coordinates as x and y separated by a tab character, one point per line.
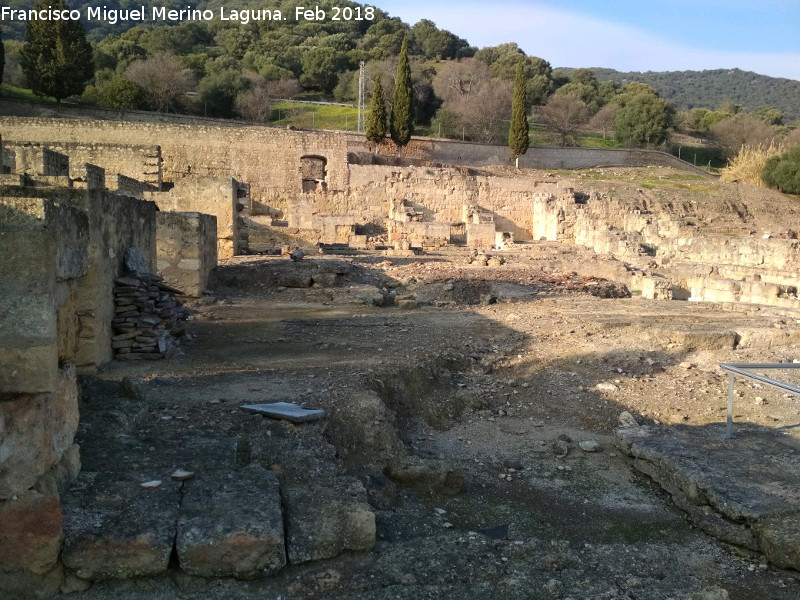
783	172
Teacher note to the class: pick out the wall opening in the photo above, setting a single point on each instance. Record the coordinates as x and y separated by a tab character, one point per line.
313	171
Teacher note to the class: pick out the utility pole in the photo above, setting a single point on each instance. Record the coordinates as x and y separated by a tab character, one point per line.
361	96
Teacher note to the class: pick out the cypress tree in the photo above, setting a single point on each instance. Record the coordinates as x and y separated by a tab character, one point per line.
376	120
56	58
401	122
518	136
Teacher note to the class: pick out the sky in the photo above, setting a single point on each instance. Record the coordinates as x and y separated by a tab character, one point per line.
627	35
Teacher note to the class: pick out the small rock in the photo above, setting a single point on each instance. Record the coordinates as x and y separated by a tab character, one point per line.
760	401
447	525
297	255
626	419
560	448
565	438
151	485
687	365
606	387
181	475
589	446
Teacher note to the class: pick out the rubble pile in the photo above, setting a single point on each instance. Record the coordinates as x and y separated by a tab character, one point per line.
149	318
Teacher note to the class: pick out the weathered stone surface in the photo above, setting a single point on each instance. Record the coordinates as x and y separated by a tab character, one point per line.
324	520
231	525
135	262
24	585
427	477
57	480
301	279
28	344
750	498
187	249
36	432
30	533
364	429
115	530
30	540
779	539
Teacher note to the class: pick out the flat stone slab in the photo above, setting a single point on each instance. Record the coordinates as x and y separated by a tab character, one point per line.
286	411
231	525
745	491
116	530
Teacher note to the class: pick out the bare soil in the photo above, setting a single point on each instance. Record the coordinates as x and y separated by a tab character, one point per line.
500	372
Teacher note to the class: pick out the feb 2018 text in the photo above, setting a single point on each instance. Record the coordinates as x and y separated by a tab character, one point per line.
161	13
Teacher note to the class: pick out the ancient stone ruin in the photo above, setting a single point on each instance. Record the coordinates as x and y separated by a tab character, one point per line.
107	228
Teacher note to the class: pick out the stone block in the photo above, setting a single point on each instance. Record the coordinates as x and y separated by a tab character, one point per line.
187	249
480	236
322	520
30	533
427	478
30	541
116	530
778	537
28	345
35	432
231	525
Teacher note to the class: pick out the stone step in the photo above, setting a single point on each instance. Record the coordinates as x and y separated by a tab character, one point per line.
222	521
231	525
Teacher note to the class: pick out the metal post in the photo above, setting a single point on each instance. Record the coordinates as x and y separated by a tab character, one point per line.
728	435
362	96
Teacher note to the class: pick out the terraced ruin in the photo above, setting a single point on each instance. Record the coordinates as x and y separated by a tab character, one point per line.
519	373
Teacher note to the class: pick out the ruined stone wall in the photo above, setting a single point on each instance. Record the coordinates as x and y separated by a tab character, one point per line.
139	162
60	251
115	223
440	194
269	159
775	254
210	195
187	249
43	252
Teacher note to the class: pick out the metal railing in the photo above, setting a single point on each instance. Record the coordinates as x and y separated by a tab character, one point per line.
744	369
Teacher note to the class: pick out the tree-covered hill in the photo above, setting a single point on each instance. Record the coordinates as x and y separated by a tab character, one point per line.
227	68
715	88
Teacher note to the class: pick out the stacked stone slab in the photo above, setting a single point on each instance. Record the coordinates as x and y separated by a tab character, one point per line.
149	318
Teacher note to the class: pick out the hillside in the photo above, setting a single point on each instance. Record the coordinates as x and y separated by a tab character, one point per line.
712	88
226	60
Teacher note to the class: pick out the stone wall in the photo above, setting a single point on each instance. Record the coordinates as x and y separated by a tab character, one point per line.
187	250
141	162
60	250
441	194
43	253
269	159
211	195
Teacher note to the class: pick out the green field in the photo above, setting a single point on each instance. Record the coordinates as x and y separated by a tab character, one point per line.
315	116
